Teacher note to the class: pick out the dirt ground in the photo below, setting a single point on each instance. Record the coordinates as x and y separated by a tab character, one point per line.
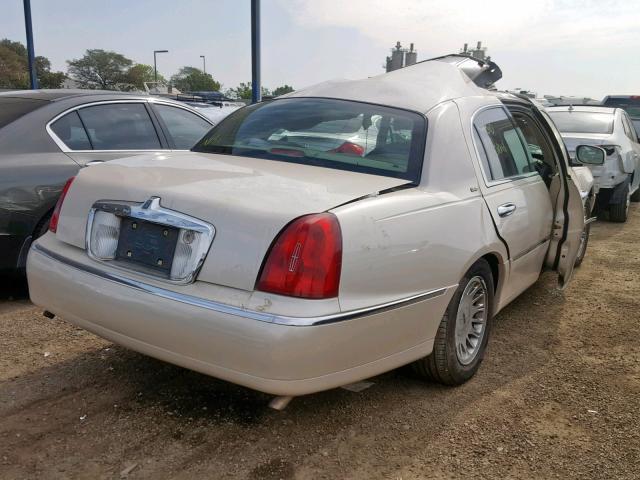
558	396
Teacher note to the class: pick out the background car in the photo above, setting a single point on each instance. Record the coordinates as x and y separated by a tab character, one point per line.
629	103
291	268
618	180
47	135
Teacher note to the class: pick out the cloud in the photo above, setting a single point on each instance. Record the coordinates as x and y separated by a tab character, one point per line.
506	25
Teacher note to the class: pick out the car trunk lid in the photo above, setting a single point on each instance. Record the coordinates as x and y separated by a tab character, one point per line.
247	200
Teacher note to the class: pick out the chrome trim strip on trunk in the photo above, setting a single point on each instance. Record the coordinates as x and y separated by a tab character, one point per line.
237	311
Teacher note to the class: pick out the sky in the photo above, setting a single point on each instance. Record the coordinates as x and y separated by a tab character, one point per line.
558	47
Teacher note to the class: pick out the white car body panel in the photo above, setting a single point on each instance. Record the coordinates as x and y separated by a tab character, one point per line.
615	169
404	250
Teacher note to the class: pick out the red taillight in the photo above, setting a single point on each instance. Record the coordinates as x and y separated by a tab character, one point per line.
53	223
305	260
349	148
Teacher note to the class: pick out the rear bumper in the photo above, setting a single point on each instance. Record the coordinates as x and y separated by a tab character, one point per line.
266	352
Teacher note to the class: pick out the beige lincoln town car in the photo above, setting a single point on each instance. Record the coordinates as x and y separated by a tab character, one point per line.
324	237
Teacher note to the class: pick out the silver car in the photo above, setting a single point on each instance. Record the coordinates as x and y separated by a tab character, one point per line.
618	180
291	267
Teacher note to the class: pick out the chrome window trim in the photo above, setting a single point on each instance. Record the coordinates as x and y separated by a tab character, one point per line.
63	146
238	311
487	181
151	211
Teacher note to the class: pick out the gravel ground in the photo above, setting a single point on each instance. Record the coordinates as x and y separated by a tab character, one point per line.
557	397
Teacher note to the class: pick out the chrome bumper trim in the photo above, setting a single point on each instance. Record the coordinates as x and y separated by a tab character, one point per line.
237	311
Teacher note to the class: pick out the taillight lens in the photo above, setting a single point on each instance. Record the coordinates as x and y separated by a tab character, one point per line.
53	224
305	260
349	148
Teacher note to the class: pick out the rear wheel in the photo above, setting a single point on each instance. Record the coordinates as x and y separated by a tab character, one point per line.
463	333
584	237
618	212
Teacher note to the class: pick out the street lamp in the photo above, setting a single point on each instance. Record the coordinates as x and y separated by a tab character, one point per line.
204	64
155	68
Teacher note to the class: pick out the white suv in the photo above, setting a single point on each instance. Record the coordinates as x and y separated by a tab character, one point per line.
618	180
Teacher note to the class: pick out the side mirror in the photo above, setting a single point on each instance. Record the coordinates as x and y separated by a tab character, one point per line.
590	155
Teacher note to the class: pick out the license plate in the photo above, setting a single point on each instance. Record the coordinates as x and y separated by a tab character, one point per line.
147	244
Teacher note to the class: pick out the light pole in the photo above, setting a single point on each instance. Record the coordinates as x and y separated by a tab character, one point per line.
204	64
33	79
256	93
155	68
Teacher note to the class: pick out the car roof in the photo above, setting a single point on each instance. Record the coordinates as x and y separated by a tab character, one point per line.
419	87
582	108
53	95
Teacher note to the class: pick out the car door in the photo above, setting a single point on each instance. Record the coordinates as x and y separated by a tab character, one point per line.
182	127
104	131
630	132
516	195
568	222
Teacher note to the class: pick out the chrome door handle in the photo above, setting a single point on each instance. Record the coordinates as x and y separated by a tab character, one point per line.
506	209
94	162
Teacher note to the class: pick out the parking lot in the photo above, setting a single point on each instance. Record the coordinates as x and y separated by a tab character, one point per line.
557	396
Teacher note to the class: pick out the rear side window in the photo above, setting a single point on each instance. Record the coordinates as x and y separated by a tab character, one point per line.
185	128
501	145
13	108
629	130
582	122
120	126
70	130
328	133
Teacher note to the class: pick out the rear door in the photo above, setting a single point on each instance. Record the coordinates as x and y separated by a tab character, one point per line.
630	132
516	195
568	223
107	130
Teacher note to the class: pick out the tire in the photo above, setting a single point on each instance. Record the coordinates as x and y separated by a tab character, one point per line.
618	212
446	364
583	245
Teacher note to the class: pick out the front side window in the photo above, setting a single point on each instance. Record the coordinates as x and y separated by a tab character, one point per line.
184	128
327	133
501	145
70	130
119	126
582	122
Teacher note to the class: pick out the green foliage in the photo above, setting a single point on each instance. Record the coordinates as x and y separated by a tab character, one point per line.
191	79
138	74
100	69
282	90
243	91
14	68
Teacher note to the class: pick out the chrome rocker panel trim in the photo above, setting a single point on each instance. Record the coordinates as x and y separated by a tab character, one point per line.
237	311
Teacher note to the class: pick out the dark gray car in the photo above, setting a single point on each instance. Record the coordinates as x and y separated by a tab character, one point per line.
47	135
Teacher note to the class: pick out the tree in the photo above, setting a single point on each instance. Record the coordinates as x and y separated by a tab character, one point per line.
282	90
140	73
191	79
244	90
14	68
100	69
47	78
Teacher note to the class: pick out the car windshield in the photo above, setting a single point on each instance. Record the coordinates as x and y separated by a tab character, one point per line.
636	125
12	108
328	133
583	122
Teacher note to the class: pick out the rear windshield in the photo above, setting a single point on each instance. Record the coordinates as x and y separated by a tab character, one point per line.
583	122
329	133
631	104
13	108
